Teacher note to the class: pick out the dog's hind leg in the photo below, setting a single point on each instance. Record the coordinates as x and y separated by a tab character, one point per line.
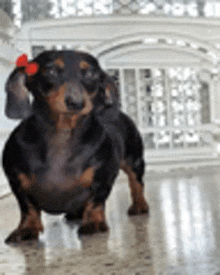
135	173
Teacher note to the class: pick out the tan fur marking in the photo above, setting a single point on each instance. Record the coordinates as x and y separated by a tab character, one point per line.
93	214
66	121
88	106
31	220
137	191
56	100
60	63
87	177
84	65
26	181
108	94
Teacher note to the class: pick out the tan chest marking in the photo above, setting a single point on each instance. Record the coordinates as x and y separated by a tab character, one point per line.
87	177
25	181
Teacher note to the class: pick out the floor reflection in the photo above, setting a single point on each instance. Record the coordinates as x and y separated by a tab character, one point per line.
189	219
181	235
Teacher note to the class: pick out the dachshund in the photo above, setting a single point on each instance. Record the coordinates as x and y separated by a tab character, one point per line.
66	153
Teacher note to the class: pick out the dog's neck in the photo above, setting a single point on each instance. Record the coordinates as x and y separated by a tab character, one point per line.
65	121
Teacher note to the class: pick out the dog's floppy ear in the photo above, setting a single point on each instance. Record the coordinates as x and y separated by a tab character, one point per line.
111	91
17	99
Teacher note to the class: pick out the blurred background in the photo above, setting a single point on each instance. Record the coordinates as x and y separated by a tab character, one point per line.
163	54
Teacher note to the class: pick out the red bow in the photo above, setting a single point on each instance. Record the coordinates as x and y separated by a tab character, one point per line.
31	68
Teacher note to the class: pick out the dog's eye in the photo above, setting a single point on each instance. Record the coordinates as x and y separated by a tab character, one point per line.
52	71
87	73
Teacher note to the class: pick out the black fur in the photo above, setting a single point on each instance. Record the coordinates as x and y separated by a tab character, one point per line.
66	153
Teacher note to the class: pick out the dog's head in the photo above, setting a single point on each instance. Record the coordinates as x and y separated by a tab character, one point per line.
66	81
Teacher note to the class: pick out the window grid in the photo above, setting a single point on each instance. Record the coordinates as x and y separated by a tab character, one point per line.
171	8
167	106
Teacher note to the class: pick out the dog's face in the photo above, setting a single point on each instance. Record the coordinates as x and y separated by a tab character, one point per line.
67	81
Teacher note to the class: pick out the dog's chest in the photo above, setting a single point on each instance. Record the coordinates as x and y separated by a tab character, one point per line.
59	152
63	166
58	183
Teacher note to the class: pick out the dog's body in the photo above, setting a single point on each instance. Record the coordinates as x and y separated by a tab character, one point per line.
65	155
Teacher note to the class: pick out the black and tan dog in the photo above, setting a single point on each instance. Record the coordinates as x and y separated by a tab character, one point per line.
66	153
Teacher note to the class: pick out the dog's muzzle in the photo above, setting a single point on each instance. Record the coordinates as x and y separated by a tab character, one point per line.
74	105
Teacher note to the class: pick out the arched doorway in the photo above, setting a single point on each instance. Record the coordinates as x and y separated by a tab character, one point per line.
166	86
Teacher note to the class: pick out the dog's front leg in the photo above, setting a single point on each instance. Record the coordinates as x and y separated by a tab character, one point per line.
93	218
30	225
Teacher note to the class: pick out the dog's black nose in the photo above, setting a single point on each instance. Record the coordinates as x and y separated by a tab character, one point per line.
72	105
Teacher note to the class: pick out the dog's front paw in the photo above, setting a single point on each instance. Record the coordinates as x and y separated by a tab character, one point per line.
91	228
25	234
138	208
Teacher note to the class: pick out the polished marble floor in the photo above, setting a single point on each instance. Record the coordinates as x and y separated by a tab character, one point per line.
181	235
